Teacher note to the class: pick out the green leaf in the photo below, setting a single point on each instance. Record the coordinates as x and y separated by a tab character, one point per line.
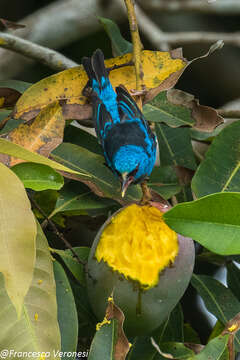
37	329
190	335
142	349
103	343
177	350
213	221
77	199
86	319
220	171
67	312
72	263
217	330
233	279
172	328
18	234
211	258
214	350
9	148
205	136
11	123
38	177
218	299
164	181
18	85
185	194
120	46
175	146
46	200
102	181
77	136
162	110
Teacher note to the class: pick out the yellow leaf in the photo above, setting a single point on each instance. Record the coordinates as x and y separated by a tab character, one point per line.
7	149
158	67
17	237
37	330
43	135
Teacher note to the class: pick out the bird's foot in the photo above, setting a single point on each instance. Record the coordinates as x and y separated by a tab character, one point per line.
141	92
146	197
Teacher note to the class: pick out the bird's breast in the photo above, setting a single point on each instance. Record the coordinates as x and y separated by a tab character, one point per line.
124	134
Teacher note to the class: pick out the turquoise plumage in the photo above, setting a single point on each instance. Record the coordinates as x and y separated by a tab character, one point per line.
129	145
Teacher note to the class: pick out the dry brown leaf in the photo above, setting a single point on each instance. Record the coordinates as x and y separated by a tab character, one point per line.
6	24
184	175
197	348
42	135
206	118
232	328
165	355
122	345
159	202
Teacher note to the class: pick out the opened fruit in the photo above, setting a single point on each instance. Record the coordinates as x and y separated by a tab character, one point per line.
144	263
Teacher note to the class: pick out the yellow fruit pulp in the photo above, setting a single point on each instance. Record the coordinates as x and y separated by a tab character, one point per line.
138	244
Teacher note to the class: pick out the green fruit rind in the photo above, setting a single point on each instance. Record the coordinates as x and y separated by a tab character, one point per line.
144	310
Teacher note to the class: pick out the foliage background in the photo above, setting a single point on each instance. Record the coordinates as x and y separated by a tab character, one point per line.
215	81
202	79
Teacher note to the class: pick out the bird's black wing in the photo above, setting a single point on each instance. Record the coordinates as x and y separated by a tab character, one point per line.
102	118
95	69
128	109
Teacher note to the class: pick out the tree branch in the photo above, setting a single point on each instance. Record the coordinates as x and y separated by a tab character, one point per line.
231	114
57	25
202	37
55	230
218	7
148	28
137	45
44	55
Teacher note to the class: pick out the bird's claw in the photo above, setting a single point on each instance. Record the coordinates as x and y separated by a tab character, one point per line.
141	92
147	196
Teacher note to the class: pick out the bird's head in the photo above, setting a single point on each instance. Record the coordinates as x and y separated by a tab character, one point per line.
127	178
127	164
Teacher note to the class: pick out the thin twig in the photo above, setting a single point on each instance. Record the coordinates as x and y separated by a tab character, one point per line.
202	37
56	231
59	62
149	28
137	45
57	25
44	55
137	57
231	114
218	7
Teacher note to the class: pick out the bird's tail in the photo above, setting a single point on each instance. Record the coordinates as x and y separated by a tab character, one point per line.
95	68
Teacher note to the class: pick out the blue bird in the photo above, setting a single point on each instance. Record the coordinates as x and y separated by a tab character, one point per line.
129	146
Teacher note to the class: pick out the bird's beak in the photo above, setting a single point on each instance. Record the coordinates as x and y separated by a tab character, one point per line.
125	183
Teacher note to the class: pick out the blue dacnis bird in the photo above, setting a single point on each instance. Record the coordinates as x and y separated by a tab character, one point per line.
129	146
